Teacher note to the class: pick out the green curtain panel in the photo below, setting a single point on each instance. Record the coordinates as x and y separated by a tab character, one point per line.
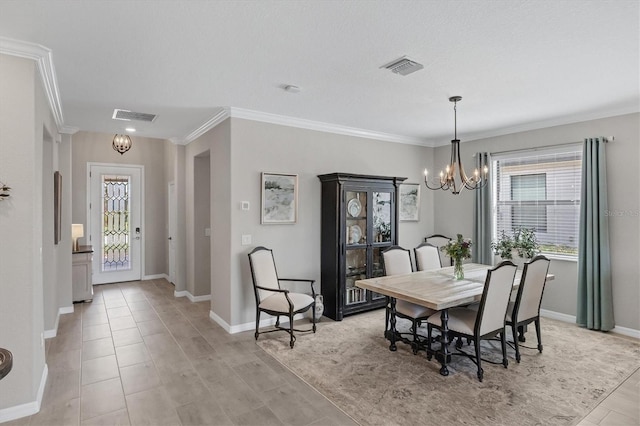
595	295
482	218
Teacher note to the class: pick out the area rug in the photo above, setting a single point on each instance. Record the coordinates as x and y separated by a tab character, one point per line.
349	362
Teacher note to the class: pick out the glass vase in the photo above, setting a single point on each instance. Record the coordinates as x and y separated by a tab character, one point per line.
458	271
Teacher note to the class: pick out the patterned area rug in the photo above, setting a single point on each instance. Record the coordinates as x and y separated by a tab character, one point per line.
349	362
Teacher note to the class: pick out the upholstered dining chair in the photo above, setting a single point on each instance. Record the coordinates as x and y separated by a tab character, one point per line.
396	261
275	300
526	308
439	241
485	323
427	257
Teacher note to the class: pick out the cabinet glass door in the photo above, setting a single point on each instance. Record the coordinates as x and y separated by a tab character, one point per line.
377	270
381	216
356	270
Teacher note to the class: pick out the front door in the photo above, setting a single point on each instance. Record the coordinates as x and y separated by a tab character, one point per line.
115	222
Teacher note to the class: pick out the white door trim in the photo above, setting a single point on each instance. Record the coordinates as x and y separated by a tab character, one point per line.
172	229
142	205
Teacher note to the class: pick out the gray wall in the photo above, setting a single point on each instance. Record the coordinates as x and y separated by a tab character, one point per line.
25	122
148	152
261	147
201	222
454	214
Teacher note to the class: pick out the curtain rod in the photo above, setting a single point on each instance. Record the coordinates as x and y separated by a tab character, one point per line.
607	139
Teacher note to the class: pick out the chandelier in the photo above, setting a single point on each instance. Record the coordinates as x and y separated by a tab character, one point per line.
453	178
122	143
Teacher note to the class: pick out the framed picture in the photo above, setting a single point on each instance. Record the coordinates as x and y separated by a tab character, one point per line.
279	198
409	202
57	207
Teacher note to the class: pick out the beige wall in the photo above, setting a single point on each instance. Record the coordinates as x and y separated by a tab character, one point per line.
454	214
96	148
201	222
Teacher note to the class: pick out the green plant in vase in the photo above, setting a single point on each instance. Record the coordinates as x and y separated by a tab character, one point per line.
458	250
524	242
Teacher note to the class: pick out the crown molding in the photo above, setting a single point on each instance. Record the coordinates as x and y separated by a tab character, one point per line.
282	120
323	127
42	56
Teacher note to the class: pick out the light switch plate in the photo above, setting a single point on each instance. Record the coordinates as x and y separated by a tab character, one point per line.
245	205
207	232
246	240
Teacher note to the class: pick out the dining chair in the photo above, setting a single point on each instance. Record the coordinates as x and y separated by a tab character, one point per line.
397	261
440	241
427	257
485	323
526	307
274	300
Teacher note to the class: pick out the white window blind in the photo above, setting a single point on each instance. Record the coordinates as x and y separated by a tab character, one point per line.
540	190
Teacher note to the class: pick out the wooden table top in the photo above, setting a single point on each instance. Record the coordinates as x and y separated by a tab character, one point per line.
436	289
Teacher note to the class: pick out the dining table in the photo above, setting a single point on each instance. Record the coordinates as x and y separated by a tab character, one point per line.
436	289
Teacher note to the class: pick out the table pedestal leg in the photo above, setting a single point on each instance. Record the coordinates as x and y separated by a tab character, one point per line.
444	356
392	320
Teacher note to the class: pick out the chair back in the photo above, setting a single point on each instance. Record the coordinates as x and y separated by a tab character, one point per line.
263	272
396	261
440	241
495	298
427	257
529	297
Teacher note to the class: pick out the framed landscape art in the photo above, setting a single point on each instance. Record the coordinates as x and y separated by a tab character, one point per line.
409	207
279	198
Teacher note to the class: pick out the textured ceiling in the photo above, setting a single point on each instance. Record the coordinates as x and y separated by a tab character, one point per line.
517	64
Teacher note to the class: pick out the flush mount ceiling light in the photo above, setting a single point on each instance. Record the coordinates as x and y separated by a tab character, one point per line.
122	143
403	66
291	88
448	180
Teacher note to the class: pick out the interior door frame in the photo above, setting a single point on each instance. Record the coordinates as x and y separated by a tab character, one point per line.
91	164
172	229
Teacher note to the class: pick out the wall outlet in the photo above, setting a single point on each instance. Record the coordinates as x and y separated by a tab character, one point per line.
246	240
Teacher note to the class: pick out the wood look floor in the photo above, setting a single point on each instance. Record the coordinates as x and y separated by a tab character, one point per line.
137	355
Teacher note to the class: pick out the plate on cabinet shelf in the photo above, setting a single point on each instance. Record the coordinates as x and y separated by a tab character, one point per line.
355	234
354	207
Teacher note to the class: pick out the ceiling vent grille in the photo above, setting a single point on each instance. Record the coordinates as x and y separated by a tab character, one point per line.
123	114
403	66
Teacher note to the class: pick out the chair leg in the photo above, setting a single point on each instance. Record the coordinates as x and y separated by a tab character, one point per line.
414	344
257	322
478	359
538	335
429	342
503	342
386	317
514	331
313	315
292	339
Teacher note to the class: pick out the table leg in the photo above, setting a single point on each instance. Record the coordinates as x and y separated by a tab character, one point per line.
392	321
444	356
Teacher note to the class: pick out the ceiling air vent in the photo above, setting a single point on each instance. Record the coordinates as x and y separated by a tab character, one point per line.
403	66
123	114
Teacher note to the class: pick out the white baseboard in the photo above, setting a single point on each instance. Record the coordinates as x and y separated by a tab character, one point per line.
155	277
48	334
572	319
29	408
233	329
191	297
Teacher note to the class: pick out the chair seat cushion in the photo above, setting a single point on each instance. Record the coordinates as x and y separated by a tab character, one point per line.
412	310
278	302
461	320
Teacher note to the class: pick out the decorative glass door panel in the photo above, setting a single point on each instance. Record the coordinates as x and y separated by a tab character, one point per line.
116	228
377	270
114	216
356	269
381	217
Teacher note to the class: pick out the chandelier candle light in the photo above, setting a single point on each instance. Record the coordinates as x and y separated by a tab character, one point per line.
447	180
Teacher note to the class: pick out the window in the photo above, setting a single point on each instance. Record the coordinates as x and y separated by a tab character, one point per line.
540	190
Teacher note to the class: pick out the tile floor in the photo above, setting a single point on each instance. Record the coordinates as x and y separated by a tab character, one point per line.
137	355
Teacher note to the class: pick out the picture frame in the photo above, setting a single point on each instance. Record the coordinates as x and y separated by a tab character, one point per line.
279	198
57	207
409	206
